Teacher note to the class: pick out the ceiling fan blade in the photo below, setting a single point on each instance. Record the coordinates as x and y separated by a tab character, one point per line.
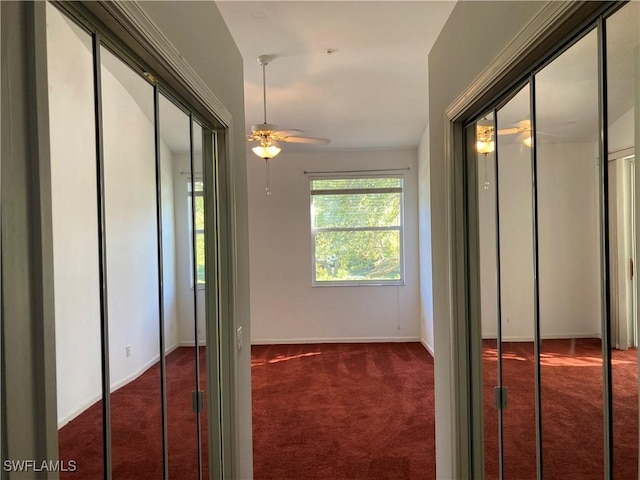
288	133
509	131
520	126
311	140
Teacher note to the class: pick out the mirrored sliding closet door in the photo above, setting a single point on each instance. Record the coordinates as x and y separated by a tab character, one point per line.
554	208
129	172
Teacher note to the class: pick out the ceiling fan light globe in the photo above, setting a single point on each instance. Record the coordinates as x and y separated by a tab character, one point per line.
266	152
528	141
485	146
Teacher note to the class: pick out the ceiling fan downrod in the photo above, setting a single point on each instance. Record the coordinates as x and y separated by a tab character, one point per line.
264	60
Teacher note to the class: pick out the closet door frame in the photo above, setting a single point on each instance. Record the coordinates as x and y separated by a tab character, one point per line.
556	27
137	41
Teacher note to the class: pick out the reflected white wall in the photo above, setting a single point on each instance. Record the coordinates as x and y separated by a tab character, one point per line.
131	226
74	215
424	243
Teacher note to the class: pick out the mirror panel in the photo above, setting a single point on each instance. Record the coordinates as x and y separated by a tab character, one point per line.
517	306
482	152
623	90
199	268
132	270
75	246
175	155
570	305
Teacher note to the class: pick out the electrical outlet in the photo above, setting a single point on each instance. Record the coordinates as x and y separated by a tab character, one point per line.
128	350
239	339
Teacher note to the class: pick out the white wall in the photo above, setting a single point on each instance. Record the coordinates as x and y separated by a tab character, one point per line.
568	241
169	256
621	132
285	307
185	334
568	249
131	228
75	229
424	227
487	245
516	242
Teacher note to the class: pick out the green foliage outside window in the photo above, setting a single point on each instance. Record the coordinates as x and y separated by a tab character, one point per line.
198	219
357	229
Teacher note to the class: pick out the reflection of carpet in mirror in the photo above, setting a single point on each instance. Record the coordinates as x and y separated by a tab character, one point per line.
572	413
343	411
136	427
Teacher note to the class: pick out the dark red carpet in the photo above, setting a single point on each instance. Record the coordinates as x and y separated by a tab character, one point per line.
136	437
572	403
343	411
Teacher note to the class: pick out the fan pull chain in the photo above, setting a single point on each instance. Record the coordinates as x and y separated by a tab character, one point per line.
268	186
486	173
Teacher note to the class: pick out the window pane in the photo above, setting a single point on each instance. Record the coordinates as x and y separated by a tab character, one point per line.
352	183
363	210
360	255
199	201
200	256
199	229
199	186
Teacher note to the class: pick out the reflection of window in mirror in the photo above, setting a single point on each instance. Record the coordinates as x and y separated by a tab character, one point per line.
198	218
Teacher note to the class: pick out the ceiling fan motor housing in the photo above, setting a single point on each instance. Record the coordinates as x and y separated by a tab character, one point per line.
263	128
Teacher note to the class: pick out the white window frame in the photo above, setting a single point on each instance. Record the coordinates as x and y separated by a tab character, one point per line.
400	229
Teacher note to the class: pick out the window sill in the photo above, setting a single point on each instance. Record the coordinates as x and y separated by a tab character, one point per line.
358	284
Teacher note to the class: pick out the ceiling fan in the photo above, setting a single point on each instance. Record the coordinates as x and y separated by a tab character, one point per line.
485	133
267	133
522	128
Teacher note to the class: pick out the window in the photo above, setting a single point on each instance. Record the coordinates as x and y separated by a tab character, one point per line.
198	201
356	228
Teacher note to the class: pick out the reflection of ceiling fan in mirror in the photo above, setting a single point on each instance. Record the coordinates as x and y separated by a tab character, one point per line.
522	128
485	133
267	133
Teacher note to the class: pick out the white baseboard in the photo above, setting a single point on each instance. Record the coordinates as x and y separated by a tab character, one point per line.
292	341
85	405
202	343
77	411
426	346
90	402
555	336
130	378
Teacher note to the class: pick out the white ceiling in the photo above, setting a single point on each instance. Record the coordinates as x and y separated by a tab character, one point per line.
372	92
